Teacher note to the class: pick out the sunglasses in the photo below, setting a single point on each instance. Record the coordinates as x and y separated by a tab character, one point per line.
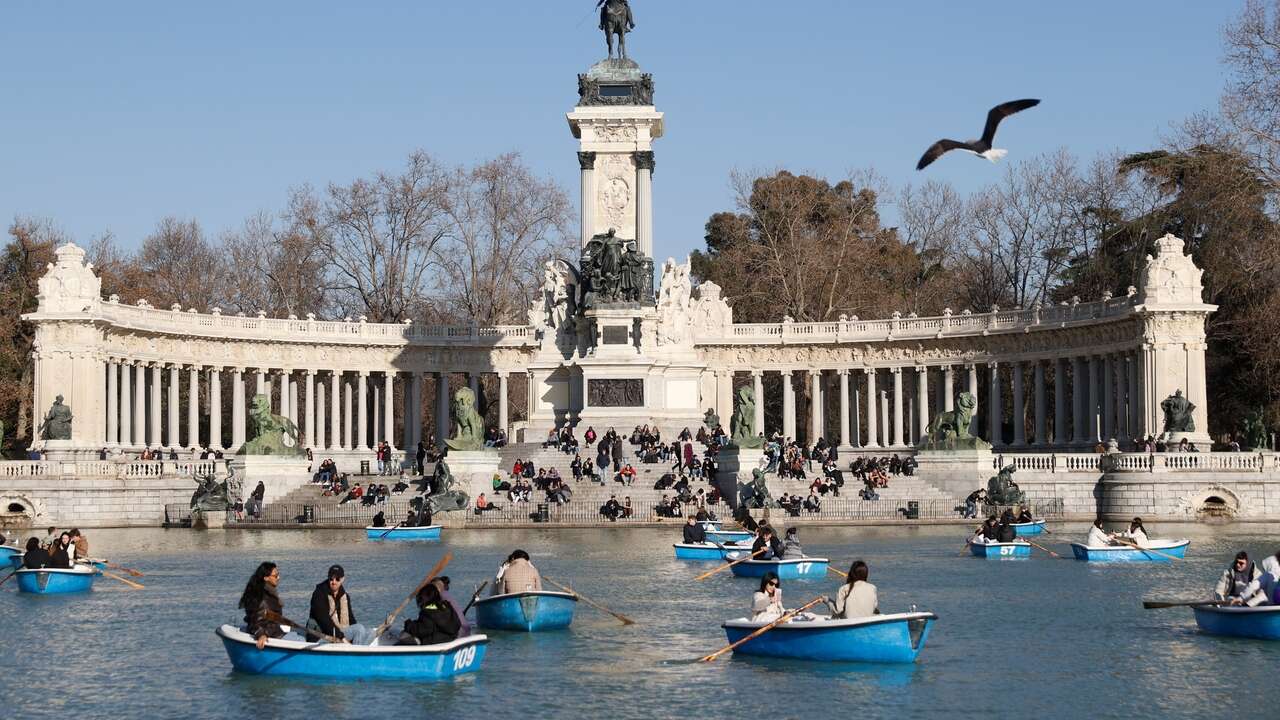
774	583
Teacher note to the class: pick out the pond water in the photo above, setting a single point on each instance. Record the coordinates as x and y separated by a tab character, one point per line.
1034	638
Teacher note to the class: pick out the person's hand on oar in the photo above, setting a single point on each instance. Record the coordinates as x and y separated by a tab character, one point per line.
763	630
377	633
623	618
709	573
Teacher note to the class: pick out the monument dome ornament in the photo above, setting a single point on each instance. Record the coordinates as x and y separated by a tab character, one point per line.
1170	277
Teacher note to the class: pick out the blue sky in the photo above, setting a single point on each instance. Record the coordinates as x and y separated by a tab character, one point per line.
115	114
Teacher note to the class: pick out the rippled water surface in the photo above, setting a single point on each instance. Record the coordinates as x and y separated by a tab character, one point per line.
1038	638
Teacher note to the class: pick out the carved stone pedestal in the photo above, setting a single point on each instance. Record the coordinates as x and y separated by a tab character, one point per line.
735	468
278	474
473	471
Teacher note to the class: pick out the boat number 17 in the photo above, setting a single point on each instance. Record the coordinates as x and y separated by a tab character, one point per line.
464	657
803	568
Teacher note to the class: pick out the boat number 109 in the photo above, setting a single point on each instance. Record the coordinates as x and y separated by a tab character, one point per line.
464	658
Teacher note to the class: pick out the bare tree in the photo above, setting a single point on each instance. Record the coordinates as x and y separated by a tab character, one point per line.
1251	101
379	237
933	224
277	270
504	224
176	264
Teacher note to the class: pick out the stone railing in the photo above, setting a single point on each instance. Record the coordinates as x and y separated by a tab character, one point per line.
906	328
1135	462
151	319
111	468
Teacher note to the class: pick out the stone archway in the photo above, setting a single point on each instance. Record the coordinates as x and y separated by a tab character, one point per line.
18	511
1214	502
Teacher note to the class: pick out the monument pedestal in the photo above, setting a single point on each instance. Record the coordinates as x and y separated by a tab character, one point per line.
735	469
65	451
473	471
208	520
279	474
1202	441
958	472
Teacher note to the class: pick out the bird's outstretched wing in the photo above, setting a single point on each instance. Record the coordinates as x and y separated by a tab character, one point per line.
1001	112
936	151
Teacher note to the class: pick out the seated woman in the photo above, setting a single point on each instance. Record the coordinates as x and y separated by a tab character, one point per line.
766	603
857	597
379	520
436	623
36	557
260	598
1136	534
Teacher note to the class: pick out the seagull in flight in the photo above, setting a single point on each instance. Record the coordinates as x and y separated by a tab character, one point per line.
981	147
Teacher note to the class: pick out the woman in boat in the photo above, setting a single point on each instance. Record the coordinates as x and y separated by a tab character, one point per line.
791	547
517	575
857	597
1025	515
380	520
62	552
991	530
437	622
36	557
260	597
1097	536
766	603
1136	534
1239	584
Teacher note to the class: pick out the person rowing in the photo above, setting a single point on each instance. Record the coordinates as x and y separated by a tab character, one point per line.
856	598
694	532
1136	534
517	575
766	603
1240	583
331	611
1097	536
768	542
1025	515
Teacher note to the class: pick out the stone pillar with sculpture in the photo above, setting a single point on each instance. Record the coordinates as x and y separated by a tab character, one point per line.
740	475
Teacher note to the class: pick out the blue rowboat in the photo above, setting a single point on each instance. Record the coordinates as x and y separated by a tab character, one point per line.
531	611
1028	528
54	581
1124	553
1001	551
339	661
10	555
808	568
897	638
1262	622
429	532
709	525
698	551
724	536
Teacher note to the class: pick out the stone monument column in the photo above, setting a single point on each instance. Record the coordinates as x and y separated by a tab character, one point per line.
1108	397
335	413
757	383
113	404
788	406
948	388
1080	396
153	436
922	402
1041	408
586	196
362	416
237	409
973	392
873	434
644	162
348	401
816	403
898	440
503	401
442	407
1092	431
175	379
845	441
1019	406
388	409
215	411
126	404
309	412
140	404
995	407
1060	436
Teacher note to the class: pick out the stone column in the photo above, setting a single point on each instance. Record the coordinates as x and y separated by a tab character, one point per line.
193	407
503	401
1060	436
973	392
260	383
416	407
884	418
388	409
237	409
443	428
215	411
1108	398
1019	407
376	392
309	412
1041	404
320	414
153	406
757	382
898	440
922	403
644	202
293	398
845	440
113	403
407	432
1120	412
140	404
994	426
175	379
948	388
362	413
348	442
873	435
126	404
1135	399
724	397
816	406
1080	398
586	196
788	406
335	410
1094	400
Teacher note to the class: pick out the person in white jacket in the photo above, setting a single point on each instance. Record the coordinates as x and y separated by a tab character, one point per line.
1240	583
766	604
1136	534
1268	585
857	598
1097	536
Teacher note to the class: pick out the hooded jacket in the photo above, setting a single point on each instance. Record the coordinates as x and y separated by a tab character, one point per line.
329	613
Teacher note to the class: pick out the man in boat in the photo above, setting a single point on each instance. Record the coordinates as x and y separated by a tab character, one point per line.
1007	516
1025	515
1005	532
1240	583
517	575
693	531
767	541
331	611
857	598
988	532
380	520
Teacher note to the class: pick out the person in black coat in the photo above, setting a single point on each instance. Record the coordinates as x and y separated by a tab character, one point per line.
694	532
437	622
767	539
331	611
36	557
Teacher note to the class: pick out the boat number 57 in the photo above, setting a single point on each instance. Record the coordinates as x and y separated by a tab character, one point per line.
464	658
1006	550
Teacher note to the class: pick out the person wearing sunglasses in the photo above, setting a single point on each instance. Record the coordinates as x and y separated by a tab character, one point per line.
766	604
1239	584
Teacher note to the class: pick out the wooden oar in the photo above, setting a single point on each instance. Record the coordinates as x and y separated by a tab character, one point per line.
113	566
6	577
761	631
1156	605
474	596
841	574
377	633
623	618
1123	541
1035	544
388	532
282	620
709	573
126	581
